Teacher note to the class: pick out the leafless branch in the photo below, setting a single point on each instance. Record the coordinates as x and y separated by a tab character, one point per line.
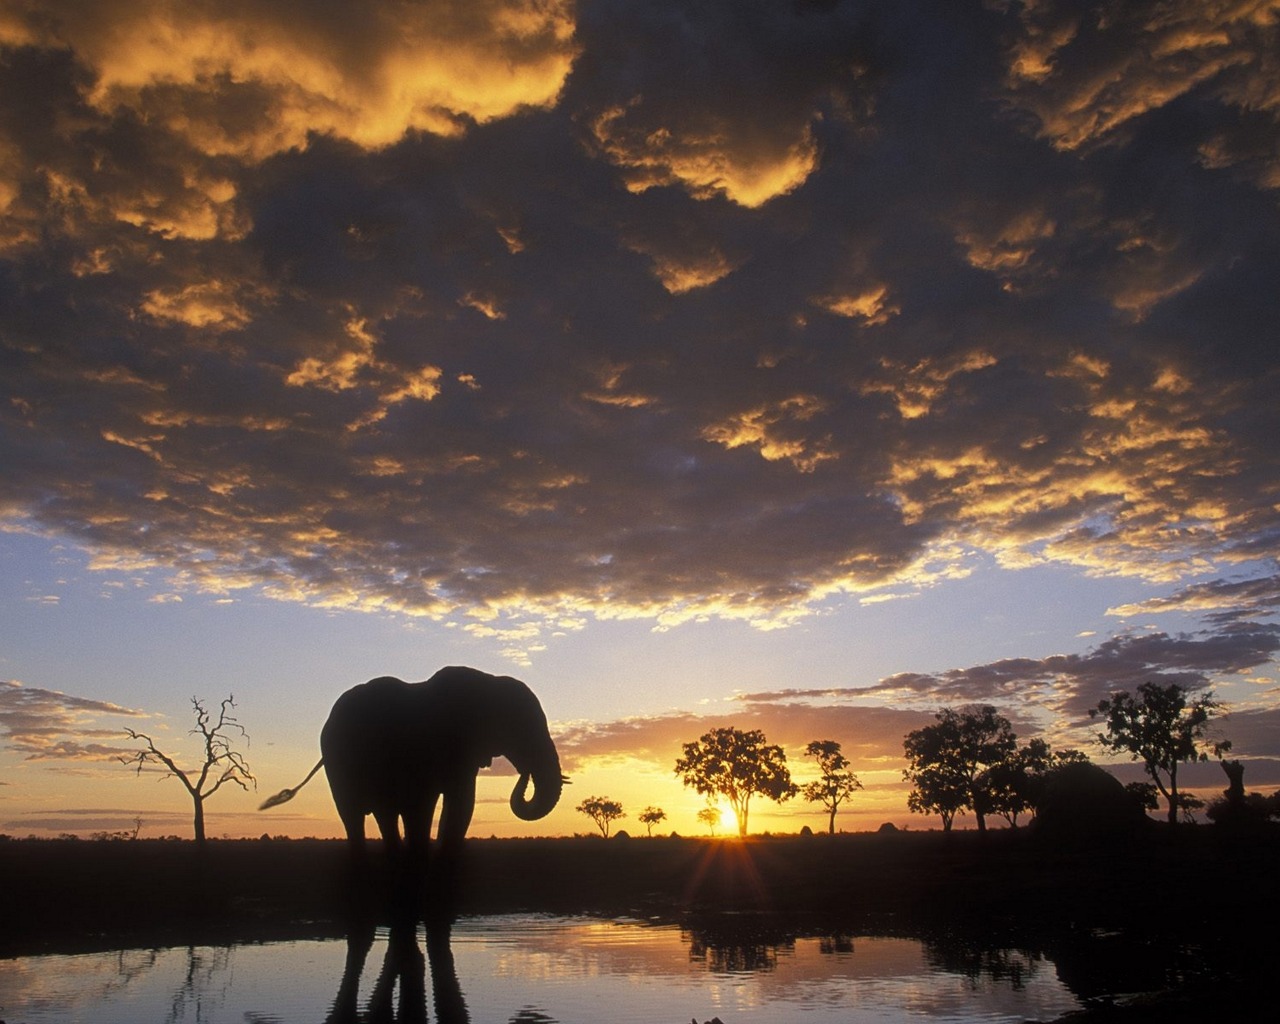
222	763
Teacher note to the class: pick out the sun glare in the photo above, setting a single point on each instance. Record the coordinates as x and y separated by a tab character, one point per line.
728	825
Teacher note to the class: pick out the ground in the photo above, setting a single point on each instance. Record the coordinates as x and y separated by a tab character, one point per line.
1163	913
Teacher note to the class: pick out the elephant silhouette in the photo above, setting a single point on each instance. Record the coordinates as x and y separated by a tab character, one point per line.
395	750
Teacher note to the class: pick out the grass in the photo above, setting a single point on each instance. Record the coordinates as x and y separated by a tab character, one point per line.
71	895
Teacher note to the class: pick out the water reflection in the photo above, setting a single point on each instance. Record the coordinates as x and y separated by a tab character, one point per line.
203	985
404	971
543	970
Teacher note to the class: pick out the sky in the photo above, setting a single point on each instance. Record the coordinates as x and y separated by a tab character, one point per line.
801	366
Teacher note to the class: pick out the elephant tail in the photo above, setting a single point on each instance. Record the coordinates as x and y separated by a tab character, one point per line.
285	795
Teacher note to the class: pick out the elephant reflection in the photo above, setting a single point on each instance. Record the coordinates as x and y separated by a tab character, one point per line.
403	966
395	749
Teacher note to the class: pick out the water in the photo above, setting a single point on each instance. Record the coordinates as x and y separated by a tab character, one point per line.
540	970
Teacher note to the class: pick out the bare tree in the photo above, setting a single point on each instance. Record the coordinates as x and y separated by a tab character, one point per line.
222	762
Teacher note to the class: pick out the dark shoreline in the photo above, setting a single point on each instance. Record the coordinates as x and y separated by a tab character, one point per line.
1194	888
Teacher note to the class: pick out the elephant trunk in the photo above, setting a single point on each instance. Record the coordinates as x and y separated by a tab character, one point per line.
547	783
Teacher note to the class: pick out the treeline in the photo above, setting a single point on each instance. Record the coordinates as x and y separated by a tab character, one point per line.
969	760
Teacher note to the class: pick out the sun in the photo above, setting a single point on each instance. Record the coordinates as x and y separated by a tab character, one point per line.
728	819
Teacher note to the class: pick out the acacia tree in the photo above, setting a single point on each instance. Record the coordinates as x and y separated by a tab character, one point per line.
602	811
650	816
1160	728
946	761
736	765
837	783
710	816
938	790
222	762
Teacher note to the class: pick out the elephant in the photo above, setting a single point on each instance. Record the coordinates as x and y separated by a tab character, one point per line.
395	749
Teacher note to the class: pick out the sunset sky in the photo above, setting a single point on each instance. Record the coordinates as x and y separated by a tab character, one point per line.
802	366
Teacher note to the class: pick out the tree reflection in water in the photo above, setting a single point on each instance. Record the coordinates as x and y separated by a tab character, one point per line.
974	961
737	946
204	985
752	943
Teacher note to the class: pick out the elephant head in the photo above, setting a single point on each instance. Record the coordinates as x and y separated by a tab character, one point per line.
522	737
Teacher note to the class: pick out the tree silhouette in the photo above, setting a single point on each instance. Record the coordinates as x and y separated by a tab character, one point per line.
222	763
650	816
602	811
937	791
837	783
710	816
1162	730
736	765
1236	808
1013	786
946	761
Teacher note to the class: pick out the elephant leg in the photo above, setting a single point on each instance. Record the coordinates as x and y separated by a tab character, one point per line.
350	806
455	816
417	827
415	855
398	866
356	884
455	819
389	825
353	822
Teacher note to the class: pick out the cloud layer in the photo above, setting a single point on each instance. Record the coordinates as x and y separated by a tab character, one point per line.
543	311
44	725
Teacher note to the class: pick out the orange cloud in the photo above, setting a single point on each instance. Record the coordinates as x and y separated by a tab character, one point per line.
250	81
770	429
710	159
1086	78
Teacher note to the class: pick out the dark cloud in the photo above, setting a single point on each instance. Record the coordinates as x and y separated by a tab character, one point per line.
44	725
1067	685
79	820
1191	660
1041	697
1219	599
635	309
870	736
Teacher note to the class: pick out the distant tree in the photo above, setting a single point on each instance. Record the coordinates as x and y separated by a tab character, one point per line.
1013	786
602	811
1144	794
837	783
1162	729
1188	805
221	763
1238	809
122	834
736	765
1254	808
650	816
710	816
946	761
